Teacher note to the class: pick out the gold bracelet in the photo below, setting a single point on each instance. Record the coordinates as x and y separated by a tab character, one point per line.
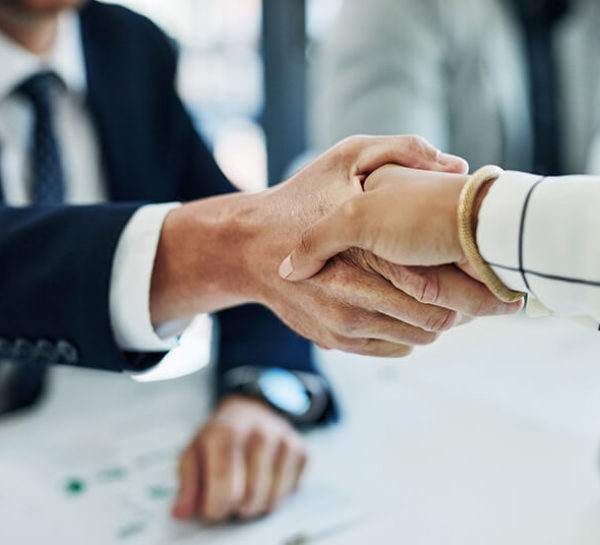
467	235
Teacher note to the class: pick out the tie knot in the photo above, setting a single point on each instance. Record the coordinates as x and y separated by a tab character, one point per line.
39	88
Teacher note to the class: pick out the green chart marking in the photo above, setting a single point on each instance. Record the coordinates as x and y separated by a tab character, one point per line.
159	492
74	486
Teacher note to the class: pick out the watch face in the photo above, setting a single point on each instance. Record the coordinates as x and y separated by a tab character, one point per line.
285	391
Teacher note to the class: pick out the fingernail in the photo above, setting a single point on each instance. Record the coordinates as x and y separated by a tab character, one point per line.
286	268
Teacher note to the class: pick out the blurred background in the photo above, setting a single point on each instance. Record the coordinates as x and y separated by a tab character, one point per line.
225	46
287	76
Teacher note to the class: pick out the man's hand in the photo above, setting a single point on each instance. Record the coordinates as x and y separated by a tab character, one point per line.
404	223
245	461
226	251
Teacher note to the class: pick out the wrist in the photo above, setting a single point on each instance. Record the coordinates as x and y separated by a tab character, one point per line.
201	263
452	200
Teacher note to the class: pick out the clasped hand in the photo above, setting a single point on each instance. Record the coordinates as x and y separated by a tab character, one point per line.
404	227
364	232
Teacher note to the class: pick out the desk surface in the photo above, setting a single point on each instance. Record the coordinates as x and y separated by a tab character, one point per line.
491	436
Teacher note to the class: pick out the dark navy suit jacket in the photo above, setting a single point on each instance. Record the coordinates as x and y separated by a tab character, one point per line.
55	262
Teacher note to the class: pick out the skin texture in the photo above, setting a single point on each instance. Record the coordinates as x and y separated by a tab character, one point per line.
408	219
221	252
244	462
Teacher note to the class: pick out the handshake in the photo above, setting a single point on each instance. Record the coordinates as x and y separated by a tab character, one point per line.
376	264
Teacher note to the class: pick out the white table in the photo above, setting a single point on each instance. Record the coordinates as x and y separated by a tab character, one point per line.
491	436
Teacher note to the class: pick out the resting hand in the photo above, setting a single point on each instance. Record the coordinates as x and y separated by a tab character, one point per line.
245	461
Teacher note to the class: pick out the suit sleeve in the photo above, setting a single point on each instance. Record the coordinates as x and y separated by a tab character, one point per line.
248	335
55	275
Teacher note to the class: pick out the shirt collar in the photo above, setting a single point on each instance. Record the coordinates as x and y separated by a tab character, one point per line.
65	58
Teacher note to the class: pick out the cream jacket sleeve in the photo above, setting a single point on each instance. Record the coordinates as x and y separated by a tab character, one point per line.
541	235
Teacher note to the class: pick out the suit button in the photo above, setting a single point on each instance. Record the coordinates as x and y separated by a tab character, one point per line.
67	353
22	349
45	351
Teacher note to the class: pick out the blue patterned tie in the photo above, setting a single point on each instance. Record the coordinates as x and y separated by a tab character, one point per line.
46	167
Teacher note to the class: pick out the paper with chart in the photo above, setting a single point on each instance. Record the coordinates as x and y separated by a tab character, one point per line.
105	494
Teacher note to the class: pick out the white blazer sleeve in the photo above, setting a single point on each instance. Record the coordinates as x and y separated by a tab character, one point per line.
541	236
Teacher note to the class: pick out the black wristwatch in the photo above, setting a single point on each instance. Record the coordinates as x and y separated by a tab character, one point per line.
300	397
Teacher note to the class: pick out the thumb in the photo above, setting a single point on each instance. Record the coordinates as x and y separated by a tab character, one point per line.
328	237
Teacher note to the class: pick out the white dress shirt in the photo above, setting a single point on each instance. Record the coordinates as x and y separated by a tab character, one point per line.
540	235
84	176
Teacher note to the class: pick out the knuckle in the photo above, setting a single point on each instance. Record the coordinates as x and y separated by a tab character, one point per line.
346	344
258	438
425	287
284	447
218	436
418	144
349	322
424	338
415	142
442	320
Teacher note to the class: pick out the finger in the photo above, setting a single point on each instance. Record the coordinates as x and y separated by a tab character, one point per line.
449	287
288	465
378	293
186	504
260	458
342	229
303	462
371	347
223	475
358	324
408	151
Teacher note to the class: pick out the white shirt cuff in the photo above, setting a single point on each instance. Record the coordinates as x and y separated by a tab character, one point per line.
129	298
